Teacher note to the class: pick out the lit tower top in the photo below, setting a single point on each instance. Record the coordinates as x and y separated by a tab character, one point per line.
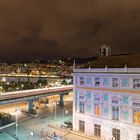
105	50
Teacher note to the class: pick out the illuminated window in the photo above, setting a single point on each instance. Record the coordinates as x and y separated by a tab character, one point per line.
97	130
115	82
81	80
125	82
97	81
97	110
136	83
136	116
106	81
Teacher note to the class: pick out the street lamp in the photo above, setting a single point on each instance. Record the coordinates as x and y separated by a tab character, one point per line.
55	103
17	111
54	110
64	112
31	135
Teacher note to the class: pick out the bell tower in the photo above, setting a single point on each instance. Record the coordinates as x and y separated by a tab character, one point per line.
105	50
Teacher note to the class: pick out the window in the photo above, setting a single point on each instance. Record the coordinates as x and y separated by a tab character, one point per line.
115	82
81	80
97	81
105	110
115	113
88	102
81	97
136	83
97	130
125	113
97	97
136	116
88	95
125	82
81	106
105	97
89	81
138	137
105	82
88	106
115	100
97	110
81	126
125	100
116	134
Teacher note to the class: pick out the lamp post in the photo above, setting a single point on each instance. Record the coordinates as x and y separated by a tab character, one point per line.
31	135
17	111
64	112
55	103
54	110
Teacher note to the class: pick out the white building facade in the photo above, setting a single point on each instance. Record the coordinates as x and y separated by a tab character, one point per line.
106	103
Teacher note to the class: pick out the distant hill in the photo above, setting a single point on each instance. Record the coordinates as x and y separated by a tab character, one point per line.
116	61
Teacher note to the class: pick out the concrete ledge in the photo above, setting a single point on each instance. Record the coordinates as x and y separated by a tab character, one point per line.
8	125
75	133
83	135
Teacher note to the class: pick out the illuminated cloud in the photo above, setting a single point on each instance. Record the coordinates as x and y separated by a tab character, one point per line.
53	28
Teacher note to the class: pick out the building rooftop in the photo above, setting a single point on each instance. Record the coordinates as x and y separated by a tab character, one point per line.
116	61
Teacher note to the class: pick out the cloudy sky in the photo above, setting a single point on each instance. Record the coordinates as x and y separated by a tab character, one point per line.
68	28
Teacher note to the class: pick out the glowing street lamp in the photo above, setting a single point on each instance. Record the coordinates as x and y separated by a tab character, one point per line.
64	112
55	103
31	133
17	111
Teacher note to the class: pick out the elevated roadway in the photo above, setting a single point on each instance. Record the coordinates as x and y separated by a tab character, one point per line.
34	94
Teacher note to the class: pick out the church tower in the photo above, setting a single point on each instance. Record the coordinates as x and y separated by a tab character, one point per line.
105	50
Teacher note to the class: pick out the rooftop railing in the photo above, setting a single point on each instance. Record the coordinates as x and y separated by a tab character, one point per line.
107	70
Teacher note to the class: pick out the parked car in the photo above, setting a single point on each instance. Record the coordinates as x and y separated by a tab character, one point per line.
66	125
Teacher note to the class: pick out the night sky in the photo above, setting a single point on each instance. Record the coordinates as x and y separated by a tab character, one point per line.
67	28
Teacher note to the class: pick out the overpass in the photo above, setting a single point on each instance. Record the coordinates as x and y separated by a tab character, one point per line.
33	95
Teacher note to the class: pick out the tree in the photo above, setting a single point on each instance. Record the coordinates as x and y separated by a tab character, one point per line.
42	82
64	82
